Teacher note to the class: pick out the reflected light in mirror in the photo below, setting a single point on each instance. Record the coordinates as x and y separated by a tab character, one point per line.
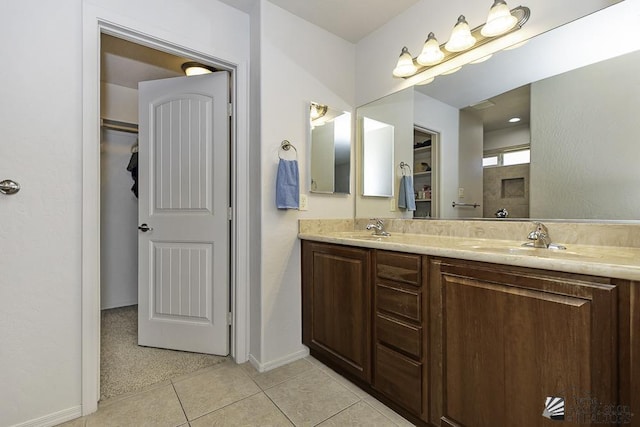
452	71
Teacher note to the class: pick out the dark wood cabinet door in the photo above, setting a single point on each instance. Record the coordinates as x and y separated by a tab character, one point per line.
337	305
511	338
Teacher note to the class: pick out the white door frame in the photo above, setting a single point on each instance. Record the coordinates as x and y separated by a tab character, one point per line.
95	22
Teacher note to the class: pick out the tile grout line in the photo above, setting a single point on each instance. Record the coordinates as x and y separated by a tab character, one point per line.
222	407
225	406
339	412
288	379
180	402
279	409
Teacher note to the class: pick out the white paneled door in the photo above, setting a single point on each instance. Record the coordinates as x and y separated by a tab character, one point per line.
183	236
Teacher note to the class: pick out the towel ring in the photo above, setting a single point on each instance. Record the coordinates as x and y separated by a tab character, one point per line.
403	165
286	146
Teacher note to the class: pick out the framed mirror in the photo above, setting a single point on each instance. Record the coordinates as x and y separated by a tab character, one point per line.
330	163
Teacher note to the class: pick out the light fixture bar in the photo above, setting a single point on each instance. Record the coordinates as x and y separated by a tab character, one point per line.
522	13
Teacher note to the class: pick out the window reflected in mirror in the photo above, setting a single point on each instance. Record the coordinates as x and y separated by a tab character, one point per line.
330	165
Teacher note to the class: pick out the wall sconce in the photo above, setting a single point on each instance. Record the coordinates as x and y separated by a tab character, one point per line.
196	68
318	114
500	22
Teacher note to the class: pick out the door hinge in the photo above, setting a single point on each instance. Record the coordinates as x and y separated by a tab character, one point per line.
229	318
230	109
229	213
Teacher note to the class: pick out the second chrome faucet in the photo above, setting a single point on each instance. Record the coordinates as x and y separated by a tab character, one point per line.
541	239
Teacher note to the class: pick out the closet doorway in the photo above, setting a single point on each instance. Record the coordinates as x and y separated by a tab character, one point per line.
125	366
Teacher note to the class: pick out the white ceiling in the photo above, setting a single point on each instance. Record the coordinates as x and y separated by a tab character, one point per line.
351	20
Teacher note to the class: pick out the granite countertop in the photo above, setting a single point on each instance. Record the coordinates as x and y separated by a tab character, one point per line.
605	261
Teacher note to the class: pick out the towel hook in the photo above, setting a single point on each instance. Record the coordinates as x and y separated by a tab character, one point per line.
286	146
403	165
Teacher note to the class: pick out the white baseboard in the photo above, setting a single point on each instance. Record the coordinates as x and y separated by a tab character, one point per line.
264	367
53	419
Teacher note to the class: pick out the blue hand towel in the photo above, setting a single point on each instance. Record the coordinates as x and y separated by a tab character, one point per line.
406	198
287	185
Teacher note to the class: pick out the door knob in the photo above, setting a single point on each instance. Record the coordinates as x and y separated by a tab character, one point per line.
144	228
9	187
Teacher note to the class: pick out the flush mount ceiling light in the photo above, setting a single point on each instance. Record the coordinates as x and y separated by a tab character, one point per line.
514	119
439	58
196	69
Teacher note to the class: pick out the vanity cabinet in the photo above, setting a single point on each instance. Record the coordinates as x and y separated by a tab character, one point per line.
448	342
336	306
400	369
506	338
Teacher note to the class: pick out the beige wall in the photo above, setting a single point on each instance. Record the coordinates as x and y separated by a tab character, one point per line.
584	149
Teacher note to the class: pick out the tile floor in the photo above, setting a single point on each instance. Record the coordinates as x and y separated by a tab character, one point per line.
302	393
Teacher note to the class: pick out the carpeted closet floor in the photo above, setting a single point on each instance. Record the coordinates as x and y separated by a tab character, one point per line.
126	367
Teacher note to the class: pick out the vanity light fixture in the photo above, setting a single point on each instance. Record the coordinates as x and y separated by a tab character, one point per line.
500	22
196	69
431	52
461	38
405	66
317	110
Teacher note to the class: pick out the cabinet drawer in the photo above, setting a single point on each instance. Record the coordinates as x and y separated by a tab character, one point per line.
398	267
400	335
399	378
403	302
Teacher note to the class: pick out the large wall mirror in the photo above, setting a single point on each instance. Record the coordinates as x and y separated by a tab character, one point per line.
578	94
330	149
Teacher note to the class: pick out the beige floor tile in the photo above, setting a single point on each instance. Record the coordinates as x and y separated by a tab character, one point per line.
387	412
359	415
312	398
256	410
279	375
158	406
213	389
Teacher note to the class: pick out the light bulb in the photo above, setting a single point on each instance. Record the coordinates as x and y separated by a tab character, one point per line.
461	38
431	52
405	66
499	21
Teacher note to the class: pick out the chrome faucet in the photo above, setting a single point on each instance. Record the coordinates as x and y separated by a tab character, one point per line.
377	225
540	236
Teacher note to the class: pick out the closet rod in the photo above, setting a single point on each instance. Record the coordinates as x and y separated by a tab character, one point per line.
118	125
